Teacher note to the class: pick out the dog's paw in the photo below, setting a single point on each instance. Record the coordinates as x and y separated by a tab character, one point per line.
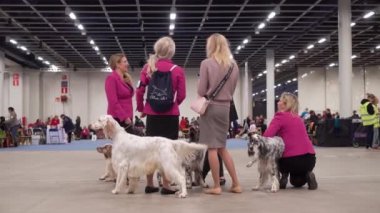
181	194
256	188
110	180
274	188
102	178
115	192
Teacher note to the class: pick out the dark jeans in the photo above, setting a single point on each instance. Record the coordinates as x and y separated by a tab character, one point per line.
206	166
297	167
69	135
369	131
14	134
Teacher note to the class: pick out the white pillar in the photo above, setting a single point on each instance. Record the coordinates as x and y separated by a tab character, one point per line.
245	93
2	70
270	84
345	62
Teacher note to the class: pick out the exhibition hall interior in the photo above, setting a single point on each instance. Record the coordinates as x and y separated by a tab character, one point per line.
231	105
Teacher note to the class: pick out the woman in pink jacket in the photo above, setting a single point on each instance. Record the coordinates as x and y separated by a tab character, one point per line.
165	121
119	91
298	158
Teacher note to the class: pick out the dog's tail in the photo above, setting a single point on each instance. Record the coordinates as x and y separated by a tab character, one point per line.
189	152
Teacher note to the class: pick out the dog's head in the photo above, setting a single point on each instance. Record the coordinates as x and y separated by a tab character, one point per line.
256	145
108	124
106	150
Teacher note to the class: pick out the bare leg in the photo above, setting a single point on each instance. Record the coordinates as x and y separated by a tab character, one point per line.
227	159
214	165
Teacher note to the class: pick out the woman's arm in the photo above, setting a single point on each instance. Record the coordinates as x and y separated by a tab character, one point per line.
181	87
274	126
203	80
113	102
140	91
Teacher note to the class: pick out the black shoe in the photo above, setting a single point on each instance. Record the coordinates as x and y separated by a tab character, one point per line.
222	181
283	181
311	181
165	191
151	189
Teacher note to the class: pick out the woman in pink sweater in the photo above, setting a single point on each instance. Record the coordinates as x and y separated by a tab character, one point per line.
163	123
119	91
298	158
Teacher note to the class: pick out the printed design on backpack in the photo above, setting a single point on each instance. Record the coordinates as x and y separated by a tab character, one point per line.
160	91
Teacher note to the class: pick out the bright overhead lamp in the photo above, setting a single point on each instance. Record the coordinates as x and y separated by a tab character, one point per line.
304	75
265	72
104	58
80	26
321	40
47	62
173	13
96	48
289	81
378	47
40	58
311	46
92	41
369	14
239	47
354	56
171	27
294	79
24	48
260	74
278	85
332	64
277	65
72	16
261	25
13	41
353	24
245	41
284	61
292	57
271	15
171	32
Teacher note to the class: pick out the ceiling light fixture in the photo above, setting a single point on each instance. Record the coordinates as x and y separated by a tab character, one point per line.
173	13
369	14
261	25
13	41
292	57
311	46
322	40
80	26
72	16
271	15
171	27
353	24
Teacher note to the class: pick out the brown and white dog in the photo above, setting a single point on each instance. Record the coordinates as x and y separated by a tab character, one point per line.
109	174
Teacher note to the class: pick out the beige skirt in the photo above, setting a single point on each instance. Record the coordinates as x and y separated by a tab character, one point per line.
214	126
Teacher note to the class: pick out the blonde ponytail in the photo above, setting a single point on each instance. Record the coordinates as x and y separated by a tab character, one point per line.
152	63
128	79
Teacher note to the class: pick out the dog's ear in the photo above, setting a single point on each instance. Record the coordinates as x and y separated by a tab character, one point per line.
109	129
99	149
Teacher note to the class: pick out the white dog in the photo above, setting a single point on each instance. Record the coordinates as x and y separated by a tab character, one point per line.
135	156
267	151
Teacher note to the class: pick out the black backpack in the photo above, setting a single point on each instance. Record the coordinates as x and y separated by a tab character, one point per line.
160	91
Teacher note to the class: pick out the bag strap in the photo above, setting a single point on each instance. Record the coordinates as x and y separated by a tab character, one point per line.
174	66
221	84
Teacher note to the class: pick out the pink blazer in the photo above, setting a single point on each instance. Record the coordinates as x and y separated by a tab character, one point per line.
119	97
292	130
179	87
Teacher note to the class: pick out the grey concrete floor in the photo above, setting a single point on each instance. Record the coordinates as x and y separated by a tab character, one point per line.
66	181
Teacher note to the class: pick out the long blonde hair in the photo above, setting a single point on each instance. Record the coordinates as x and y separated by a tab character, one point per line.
114	60
291	102
163	48
218	48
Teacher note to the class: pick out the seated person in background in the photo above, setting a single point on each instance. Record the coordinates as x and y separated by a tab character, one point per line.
85	133
298	158
54	122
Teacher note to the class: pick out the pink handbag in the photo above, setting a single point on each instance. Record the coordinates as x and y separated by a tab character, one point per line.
199	105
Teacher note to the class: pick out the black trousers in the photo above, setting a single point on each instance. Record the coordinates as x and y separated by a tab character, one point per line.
369	131
206	166
166	126
297	167
128	128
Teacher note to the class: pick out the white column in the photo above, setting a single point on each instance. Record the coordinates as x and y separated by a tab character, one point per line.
345	62
245	93
2	70
270	84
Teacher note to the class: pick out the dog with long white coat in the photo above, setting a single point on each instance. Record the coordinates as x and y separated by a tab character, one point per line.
134	156
267	151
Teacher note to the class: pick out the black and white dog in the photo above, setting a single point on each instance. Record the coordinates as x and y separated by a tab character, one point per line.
267	151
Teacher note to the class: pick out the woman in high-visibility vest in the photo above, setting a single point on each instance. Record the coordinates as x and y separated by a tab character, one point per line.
375	101
367	114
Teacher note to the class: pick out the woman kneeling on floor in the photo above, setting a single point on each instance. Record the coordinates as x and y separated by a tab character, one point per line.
298	158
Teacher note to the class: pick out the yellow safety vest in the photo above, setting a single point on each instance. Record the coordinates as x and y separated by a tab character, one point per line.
377	124
367	119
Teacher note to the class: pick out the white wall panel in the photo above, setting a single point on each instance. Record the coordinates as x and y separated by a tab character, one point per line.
311	89
332	90
373	80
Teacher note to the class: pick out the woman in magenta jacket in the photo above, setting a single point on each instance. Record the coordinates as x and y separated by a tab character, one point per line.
164	124
119	91
298	158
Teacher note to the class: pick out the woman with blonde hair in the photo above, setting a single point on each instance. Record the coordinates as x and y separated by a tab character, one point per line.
298	158
162	118
119	91
214	123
